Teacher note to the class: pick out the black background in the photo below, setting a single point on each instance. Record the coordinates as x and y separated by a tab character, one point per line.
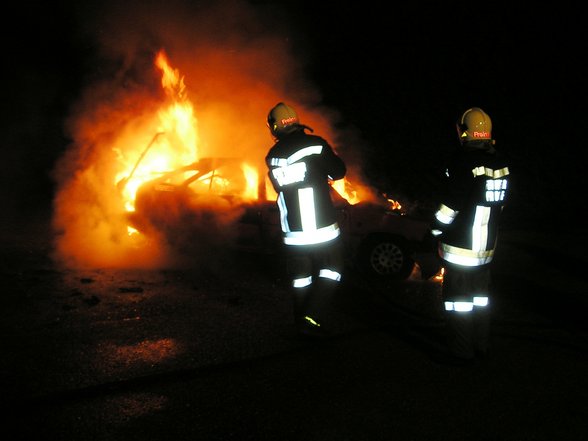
401	74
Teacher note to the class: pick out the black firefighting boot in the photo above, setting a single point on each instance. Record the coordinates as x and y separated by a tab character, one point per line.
307	321
460	334
300	302
310	328
321	300
303	319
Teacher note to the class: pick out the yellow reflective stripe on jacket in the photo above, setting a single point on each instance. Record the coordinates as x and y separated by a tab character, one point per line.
464	256
486	171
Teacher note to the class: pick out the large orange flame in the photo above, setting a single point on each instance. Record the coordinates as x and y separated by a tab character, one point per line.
174	144
126	143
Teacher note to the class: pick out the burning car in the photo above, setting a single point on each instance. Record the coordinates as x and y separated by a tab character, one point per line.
211	200
152	177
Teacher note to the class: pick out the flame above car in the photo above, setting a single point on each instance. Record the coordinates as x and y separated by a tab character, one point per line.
128	142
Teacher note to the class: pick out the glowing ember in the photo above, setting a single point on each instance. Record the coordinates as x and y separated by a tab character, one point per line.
395	205
439	276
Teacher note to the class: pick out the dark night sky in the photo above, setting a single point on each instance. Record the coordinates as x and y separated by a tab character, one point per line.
401	76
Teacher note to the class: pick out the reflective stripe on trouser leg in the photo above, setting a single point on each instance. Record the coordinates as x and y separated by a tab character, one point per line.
330	274
302	282
321	298
459	306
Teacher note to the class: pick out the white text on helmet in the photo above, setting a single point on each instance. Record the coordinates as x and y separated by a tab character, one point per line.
481	135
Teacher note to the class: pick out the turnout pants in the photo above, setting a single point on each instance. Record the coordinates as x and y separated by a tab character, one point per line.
465	295
315	273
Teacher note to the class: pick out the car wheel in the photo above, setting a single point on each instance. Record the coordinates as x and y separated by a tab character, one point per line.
386	257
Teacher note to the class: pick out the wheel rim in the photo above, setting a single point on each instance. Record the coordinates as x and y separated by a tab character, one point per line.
387	258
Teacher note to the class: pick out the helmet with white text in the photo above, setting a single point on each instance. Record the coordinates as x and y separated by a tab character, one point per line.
282	119
474	125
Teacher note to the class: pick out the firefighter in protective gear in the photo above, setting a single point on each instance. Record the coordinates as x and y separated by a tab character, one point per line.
466	224
301	167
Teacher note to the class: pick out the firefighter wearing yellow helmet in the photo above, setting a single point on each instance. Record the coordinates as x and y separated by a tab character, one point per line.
282	120
301	167
474	192
474	125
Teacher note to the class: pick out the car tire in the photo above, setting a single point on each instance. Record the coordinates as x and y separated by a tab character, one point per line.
385	256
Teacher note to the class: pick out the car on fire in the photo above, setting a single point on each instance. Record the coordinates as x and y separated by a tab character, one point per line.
205	202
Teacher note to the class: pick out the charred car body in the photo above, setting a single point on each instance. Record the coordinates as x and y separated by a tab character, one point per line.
207	201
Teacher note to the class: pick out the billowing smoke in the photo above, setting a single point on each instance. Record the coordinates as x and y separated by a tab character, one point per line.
236	62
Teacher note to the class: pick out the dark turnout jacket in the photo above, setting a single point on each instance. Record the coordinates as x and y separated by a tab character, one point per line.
474	193
300	168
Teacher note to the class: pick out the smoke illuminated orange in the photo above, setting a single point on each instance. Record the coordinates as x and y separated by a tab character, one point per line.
133	138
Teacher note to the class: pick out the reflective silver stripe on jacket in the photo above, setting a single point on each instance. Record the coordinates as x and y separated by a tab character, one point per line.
479	254
310	234
290	174
312	237
307	208
283	212
445	215
306	151
480	228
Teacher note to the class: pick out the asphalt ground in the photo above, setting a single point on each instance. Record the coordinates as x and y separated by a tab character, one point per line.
210	354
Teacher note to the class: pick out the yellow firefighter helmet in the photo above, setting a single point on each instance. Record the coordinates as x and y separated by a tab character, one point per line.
282	119
474	125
